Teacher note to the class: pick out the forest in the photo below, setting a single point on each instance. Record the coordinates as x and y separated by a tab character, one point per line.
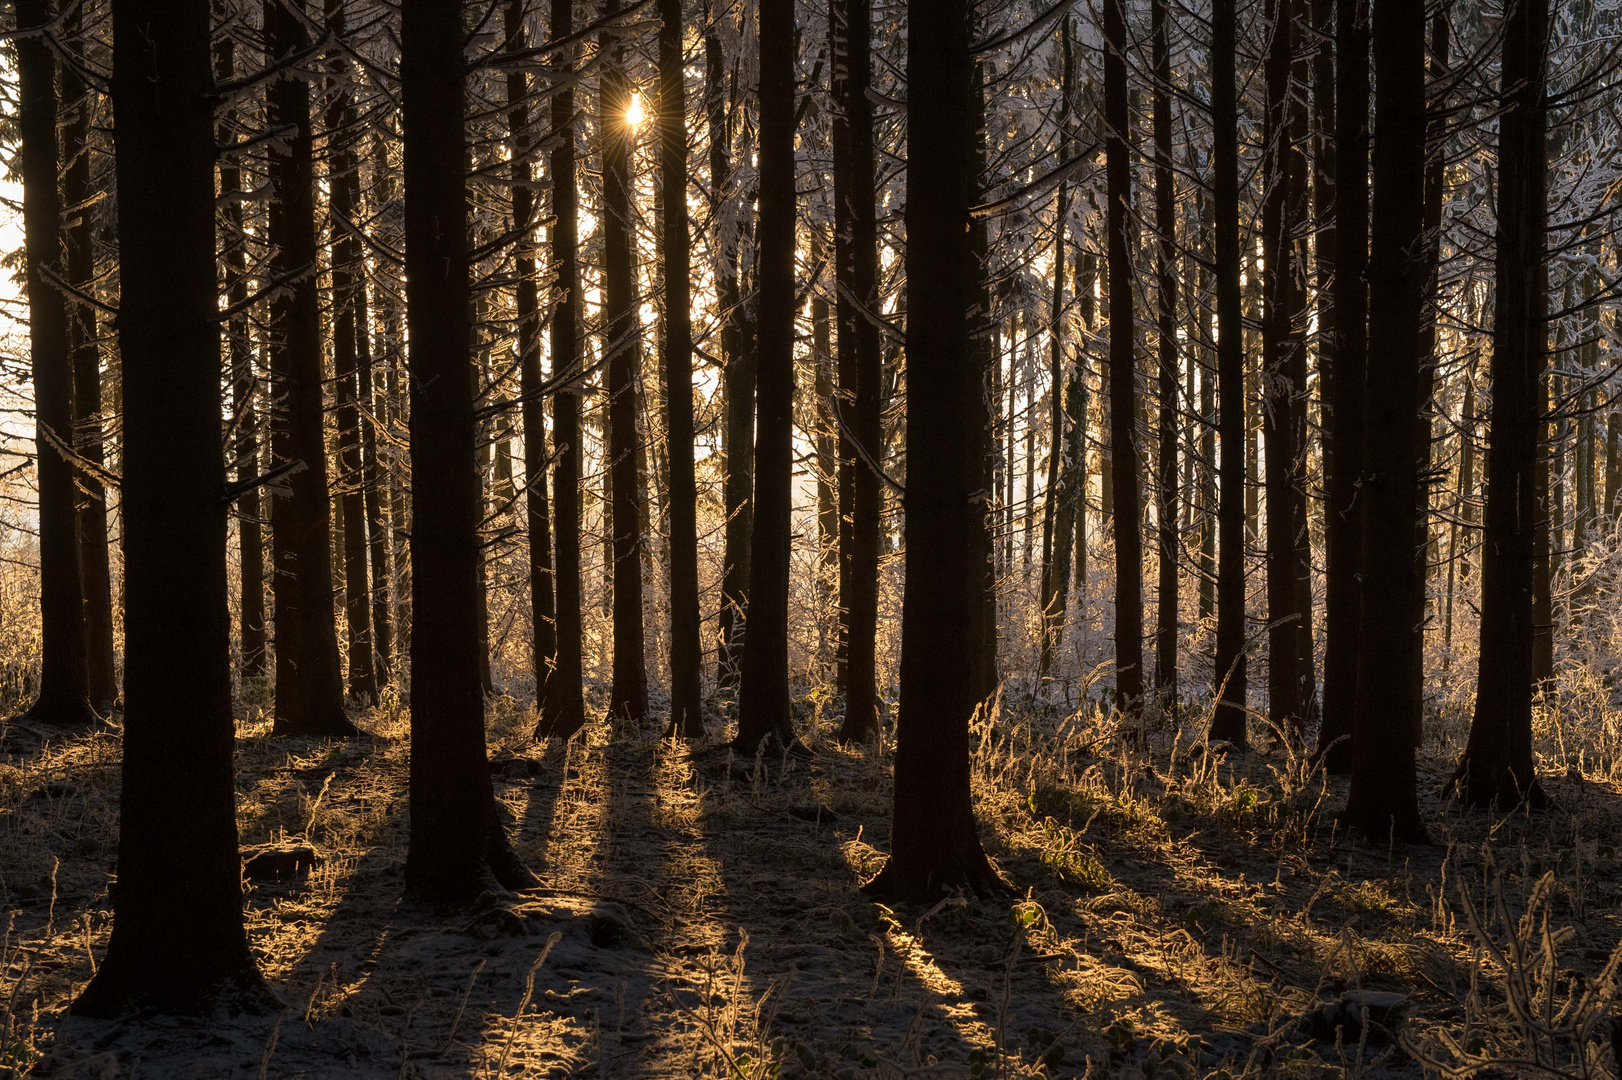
760	539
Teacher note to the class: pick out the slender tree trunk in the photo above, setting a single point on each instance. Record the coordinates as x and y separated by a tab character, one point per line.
178	943
1122	367
1383	801
860	366
1281	395
1343	515
309	682
763	708
372	480
95	574
686	682
244	420
622	343
456	846
1498	769
1228	721
1060	498
1170	366
934	846
346	256
563	707
526	303
738	363
1434	183
64	698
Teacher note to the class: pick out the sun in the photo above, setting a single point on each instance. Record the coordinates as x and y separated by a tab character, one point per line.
635	115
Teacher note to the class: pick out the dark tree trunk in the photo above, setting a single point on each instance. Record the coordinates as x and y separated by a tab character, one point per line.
95	574
1058	508
456	844
244	419
738	367
372	480
763	706
1228	721
1497	770
526	302
1383	801
1283	408
342	188
860	365
1170	365
686	684
1343	514
309	683
628	698
178	943
563	706
1123	388
64	698
934	845
1435	181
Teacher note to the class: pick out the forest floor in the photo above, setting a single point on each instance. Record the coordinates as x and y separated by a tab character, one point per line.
1173	911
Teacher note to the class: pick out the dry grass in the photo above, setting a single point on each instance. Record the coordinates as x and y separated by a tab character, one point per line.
1177	913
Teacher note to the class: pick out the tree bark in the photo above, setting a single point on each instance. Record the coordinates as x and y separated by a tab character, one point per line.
178	943
456	846
1170	366
763	706
622	344
1058	508
934	845
860	366
526	303
95	574
342	188
1123	388
64	697
1343	516
309	682
1497	770
1228	720
1383	800
686	682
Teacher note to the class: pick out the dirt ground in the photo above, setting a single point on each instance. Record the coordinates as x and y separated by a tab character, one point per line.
1173	910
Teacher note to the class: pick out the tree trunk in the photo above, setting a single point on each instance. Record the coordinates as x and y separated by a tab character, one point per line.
526	303
860	366
1170	366
983	358
342	188
1343	515
622	344
1497	770
95	574
1383	801
1060	500
763	706
456	845
1123	389
372	480
738	366
686	682
64	698
309	683
934	846
1282	396
178	943
563	707
1228	721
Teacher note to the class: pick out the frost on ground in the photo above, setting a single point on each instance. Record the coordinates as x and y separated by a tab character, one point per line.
1175	911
